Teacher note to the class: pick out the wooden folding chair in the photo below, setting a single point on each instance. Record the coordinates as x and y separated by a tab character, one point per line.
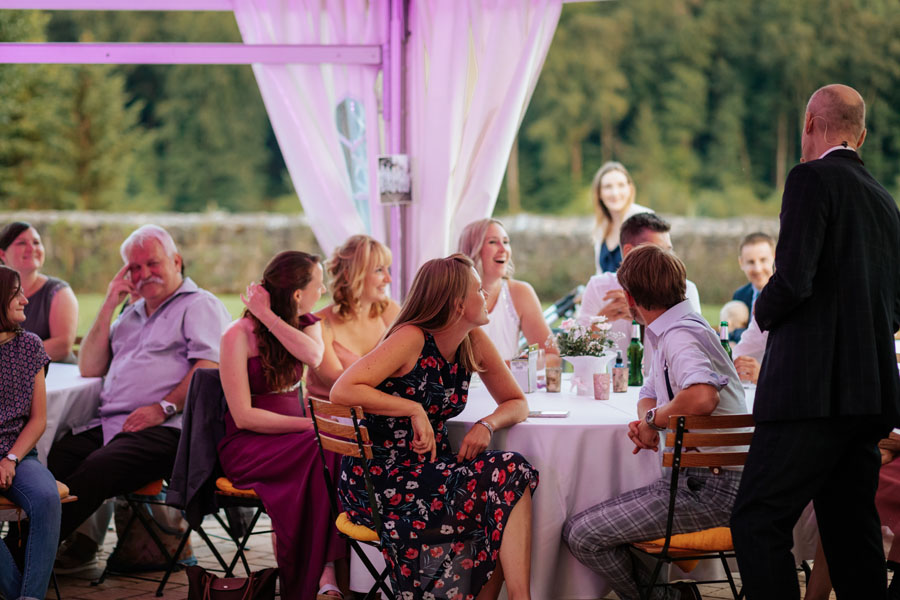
350	440
688	548
64	497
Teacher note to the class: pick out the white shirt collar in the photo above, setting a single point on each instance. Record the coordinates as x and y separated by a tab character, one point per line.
833	148
670	317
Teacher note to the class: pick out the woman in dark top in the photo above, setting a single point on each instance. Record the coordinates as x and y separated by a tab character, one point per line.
458	522
613	194
52	310
23	417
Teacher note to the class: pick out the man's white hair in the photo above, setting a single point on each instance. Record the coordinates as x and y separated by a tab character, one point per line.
145	233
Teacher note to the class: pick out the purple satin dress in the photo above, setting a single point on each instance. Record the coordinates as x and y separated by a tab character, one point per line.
286	472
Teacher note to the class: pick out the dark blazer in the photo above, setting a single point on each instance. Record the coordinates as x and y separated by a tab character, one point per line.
192	486
834	301
745	295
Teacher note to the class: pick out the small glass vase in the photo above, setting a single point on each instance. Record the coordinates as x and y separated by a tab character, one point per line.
585	367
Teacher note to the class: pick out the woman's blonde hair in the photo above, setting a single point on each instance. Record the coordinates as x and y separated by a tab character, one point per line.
472	239
438	289
348	267
603	221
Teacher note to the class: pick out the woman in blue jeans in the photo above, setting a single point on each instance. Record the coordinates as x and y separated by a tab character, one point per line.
23	417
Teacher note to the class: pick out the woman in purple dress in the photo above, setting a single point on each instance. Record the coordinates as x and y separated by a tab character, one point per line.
455	523
23	417
269	445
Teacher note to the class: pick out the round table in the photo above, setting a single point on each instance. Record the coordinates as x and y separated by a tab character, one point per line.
582	459
72	400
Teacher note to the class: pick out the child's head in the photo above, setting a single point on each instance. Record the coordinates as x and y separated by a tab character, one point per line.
736	314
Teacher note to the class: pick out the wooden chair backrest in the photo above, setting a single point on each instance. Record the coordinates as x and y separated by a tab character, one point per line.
337	436
695	433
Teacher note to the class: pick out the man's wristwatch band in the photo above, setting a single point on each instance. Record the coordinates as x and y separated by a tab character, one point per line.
13	458
650	419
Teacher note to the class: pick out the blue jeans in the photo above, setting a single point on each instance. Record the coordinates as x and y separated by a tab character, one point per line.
34	489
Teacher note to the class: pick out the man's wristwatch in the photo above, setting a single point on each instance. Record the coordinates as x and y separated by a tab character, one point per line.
650	419
169	409
13	458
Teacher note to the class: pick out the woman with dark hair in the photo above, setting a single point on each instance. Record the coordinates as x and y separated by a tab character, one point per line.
23	417
52	310
362	311
448	516
612	193
269	446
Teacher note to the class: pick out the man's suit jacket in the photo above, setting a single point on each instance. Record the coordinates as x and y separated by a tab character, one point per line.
745	295
834	301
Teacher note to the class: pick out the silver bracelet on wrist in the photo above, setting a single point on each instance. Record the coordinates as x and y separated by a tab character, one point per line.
487	426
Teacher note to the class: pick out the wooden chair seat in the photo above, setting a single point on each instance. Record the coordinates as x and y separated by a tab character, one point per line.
64	497
351	529
717	539
154	488
224	486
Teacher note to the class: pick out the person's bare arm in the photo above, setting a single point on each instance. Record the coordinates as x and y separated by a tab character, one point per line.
329	368
63	323
304	344
512	407
532	323
152	415
95	354
394	356
234	353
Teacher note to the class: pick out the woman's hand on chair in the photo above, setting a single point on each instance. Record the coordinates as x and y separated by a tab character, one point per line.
423	440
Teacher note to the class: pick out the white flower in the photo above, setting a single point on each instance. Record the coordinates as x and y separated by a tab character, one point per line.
446	529
567	324
411	485
390	493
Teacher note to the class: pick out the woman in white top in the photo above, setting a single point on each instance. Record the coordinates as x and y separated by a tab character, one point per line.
513	306
613	194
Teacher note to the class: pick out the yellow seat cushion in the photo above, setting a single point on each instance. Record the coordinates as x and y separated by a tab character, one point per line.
351	529
151	489
717	539
63	489
226	487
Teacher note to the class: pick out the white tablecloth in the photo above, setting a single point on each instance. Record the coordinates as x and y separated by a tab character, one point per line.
582	459
72	400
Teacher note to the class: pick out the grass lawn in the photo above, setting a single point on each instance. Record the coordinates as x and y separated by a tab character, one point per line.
89	304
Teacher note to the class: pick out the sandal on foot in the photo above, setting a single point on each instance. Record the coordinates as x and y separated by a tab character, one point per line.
323	594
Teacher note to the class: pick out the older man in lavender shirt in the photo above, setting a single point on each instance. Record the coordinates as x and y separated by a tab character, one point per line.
690	374
147	357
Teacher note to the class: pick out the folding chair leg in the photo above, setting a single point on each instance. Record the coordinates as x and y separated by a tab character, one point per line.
648	591
125	531
209	544
734	590
170	567
55	585
239	554
379	577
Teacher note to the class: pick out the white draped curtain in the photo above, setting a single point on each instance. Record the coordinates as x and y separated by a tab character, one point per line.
471	69
325	116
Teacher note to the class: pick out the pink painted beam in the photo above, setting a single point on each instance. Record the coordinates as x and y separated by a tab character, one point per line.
195	54
118	4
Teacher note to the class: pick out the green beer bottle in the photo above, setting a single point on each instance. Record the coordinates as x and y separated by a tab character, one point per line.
723	337
635	356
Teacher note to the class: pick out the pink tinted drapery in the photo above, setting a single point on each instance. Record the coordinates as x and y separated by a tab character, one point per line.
302	102
471	69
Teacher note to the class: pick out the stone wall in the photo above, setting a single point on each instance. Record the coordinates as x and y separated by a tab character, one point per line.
223	252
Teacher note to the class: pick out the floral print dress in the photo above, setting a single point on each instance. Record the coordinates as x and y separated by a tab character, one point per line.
442	520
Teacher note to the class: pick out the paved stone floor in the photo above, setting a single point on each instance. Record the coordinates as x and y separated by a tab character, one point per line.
79	586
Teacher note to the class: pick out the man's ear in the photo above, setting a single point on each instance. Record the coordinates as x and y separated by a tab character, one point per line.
3	257
808	123
626	248
179	263
859	142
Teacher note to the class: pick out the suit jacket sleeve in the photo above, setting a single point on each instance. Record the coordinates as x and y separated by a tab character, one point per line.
804	224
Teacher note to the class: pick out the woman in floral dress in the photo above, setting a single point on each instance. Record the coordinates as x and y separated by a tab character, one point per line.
455	524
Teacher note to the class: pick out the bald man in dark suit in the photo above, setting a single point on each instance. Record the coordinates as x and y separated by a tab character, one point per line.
828	390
